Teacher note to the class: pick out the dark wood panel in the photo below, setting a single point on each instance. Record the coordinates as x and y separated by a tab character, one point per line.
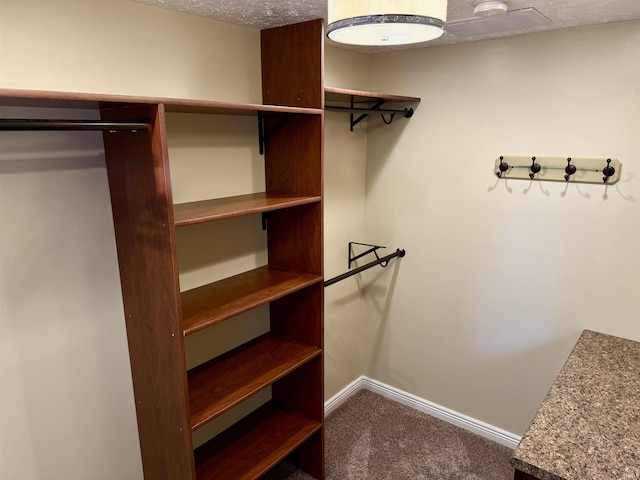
141	203
299	317
217	209
294	157
292	65
224	382
295	239
254	445
210	304
302	391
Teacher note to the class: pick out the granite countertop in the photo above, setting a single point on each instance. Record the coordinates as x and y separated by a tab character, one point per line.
588	426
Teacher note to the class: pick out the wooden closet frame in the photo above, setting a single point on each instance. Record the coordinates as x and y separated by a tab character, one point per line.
171	402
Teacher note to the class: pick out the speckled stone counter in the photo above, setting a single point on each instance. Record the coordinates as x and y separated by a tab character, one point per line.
588	426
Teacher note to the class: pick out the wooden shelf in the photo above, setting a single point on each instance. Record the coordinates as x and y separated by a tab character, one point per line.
218	209
254	445
343	95
213	303
50	99
224	382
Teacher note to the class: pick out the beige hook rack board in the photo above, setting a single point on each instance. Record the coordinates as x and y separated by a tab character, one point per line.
554	168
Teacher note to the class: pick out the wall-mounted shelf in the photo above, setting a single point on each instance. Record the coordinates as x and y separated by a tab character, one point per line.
363	104
559	169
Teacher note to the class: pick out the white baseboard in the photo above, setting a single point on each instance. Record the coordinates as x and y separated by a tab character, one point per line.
450	416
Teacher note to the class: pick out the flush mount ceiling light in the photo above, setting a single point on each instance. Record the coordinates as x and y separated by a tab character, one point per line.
386	22
489	7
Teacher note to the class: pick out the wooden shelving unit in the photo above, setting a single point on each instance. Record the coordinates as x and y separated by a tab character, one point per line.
171	402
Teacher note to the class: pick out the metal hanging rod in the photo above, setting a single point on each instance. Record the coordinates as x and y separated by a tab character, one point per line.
406	112
397	253
46	124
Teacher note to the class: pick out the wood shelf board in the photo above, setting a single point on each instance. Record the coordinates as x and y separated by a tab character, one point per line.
254	445
213	303
342	95
51	99
226	381
218	209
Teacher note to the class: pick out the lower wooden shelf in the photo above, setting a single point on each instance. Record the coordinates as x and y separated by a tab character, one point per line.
254	445
224	382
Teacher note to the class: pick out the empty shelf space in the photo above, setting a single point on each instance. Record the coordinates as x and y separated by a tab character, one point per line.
213	303
224	382
221	208
254	445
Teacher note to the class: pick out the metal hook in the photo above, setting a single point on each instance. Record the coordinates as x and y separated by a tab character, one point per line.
608	171
535	168
569	169
504	166
390	118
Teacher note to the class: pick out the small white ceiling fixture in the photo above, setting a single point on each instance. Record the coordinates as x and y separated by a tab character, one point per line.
386	22
489	7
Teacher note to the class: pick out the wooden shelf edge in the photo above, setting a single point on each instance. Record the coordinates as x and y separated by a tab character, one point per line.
344	95
57	99
224	382
209	304
192	213
254	445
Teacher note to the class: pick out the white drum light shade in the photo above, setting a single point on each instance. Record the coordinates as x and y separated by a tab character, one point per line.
386	22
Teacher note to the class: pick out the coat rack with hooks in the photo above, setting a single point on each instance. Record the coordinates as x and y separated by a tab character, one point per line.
382	261
604	171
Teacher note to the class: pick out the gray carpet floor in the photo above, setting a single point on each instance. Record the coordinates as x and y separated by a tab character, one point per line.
372	438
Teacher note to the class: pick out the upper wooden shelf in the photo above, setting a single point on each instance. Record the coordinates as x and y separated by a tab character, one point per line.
343	95
220	208
50	99
205	306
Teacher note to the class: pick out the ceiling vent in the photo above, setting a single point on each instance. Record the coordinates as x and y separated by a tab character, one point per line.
522	19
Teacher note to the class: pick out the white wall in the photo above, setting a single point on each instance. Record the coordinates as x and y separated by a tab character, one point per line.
500	278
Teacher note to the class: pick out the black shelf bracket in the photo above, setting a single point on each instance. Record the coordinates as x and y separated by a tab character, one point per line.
382	261
265	219
264	136
375	109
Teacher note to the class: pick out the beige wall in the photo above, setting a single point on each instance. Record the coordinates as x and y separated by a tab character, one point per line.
66	402
125	47
344	203
500	278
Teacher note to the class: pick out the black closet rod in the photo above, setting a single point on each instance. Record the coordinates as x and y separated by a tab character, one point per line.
46	124
406	112
397	253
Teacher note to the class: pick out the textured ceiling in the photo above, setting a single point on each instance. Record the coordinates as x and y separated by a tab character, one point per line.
270	13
